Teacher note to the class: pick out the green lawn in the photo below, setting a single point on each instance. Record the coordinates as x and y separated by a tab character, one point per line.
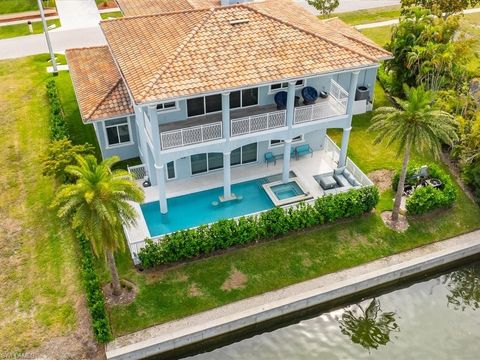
370	15
10	31
40	286
197	286
13	6
113	14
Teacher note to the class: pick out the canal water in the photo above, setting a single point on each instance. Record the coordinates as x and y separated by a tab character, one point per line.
435	318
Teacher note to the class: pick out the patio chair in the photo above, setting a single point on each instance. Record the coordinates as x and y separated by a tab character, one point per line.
310	95
303	150
270	158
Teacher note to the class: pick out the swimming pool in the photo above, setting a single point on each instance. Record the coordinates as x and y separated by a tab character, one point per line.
195	209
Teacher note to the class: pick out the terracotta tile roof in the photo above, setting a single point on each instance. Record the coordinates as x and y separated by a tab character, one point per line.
177	54
148	7
333	29
100	90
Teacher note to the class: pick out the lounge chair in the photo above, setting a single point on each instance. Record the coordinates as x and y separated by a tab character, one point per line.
303	150
310	95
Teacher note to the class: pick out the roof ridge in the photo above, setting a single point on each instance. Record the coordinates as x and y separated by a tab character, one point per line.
87	47
90	113
177	52
251	6
375	46
154	15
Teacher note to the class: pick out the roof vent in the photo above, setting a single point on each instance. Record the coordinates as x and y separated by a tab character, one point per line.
233	2
238	21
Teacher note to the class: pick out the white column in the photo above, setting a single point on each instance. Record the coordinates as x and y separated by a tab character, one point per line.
291	103
227	177
226	115
342	161
162	194
286	161
351	92
142	136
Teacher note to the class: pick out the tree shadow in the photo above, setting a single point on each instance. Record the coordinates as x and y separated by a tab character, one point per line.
464	286
368	327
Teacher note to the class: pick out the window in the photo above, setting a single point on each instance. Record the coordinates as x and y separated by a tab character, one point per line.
213	103
244	155
171	170
280	86
118	132
281	142
171	105
198	163
196	106
202	163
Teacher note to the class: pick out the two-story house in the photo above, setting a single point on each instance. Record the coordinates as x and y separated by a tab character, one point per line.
207	92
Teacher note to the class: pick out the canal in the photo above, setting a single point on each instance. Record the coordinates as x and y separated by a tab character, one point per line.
433	318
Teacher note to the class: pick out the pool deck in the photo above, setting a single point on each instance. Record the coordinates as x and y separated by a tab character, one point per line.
224	319
321	162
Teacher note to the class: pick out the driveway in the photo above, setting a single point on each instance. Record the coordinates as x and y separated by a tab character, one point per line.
75	14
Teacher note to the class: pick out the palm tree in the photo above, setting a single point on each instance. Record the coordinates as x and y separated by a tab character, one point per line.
97	205
415	123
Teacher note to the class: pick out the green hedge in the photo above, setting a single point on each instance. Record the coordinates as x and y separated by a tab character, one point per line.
95	300
425	199
188	244
58	125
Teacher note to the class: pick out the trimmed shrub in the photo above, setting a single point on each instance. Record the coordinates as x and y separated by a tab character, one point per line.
188	244
58	126
427	198
94	295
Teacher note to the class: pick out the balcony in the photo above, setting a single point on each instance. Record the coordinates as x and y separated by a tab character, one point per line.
250	120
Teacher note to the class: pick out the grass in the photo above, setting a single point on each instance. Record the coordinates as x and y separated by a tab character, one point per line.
10	31
167	295
370	15
14	6
113	14
381	35
39	276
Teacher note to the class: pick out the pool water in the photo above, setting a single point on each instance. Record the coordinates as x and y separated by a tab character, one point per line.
195	209
287	191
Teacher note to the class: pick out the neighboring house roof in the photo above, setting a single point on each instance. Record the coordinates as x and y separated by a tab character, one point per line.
164	56
147	7
101	92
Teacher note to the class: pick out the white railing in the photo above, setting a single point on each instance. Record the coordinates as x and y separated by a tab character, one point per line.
340	95
138	171
191	135
333	152
256	123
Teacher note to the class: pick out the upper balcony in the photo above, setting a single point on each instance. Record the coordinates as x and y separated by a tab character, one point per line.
251	120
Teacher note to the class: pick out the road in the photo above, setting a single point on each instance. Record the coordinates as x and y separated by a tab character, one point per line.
79	32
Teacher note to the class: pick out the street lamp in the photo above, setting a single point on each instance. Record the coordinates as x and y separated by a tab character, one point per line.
47	36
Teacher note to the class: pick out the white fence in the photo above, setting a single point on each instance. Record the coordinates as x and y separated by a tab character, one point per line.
138	171
191	135
340	95
256	123
333	152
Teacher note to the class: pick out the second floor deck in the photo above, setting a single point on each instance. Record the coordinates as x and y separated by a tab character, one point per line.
251	120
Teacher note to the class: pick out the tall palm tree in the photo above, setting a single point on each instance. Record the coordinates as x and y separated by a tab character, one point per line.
97	205
414	124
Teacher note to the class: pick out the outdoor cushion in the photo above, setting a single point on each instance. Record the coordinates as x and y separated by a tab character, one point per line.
310	94
328	182
281	100
346	173
350	178
341	180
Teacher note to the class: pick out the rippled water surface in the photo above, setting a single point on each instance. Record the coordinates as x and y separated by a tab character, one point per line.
433	319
